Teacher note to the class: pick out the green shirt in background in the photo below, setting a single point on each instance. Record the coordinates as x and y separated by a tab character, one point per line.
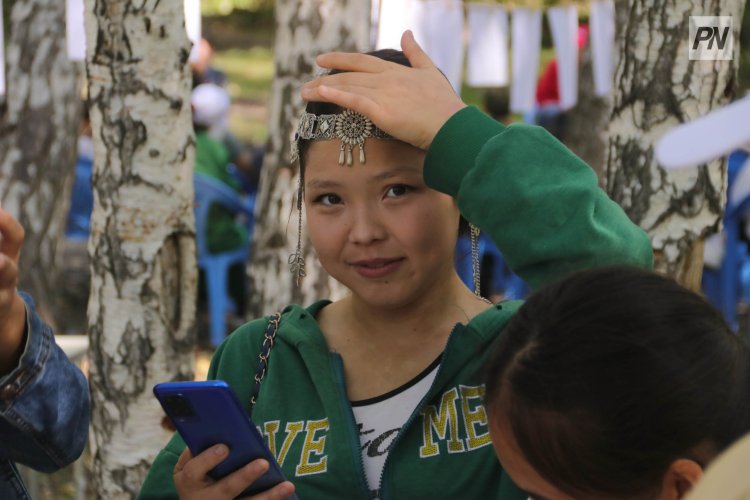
223	232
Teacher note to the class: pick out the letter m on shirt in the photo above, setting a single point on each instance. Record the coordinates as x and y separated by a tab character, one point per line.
441	422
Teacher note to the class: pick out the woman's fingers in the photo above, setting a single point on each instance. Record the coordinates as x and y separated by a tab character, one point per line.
348	61
367	80
278	492
8	273
354	98
185	457
12	235
236	482
194	470
413	52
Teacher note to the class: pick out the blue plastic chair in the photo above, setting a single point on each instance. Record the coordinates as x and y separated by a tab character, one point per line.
726	287
502	279
208	192
81	202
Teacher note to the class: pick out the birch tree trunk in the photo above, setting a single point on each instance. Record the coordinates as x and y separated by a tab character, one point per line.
585	125
304	29
142	305
657	87
39	122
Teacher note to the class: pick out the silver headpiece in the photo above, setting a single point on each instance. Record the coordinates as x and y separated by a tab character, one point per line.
350	127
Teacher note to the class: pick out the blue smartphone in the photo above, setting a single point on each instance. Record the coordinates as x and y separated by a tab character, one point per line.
209	413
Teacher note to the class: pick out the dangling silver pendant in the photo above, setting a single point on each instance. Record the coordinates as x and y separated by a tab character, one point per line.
349	160
362	152
341	154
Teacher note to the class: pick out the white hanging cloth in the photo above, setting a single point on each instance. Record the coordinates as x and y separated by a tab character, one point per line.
526	42
193	26
2	54
75	32
444	34
397	16
602	26
374	23
706	138
563	24
487	64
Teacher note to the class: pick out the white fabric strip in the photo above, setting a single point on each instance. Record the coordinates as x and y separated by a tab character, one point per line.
602	36
563	23
487	64
706	138
74	30
526	40
193	26
444	34
2	55
397	16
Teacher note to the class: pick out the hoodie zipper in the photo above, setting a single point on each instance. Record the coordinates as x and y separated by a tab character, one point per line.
416	412
354	441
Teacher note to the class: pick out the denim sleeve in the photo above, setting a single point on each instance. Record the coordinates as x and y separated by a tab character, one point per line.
44	403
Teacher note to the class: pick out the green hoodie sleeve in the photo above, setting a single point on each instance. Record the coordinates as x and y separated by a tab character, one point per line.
539	202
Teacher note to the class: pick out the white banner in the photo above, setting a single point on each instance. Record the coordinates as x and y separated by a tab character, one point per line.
526	41
563	24
193	26
74	30
444	33
602	24
2	55
487	64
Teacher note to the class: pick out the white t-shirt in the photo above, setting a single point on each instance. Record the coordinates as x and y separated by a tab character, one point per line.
379	420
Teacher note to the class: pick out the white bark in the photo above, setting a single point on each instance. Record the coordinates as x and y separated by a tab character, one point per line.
304	29
657	87
142	306
38	128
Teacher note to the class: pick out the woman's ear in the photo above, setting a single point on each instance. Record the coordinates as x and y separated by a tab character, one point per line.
681	477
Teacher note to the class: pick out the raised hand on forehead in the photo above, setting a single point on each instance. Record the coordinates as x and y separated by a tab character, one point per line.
411	104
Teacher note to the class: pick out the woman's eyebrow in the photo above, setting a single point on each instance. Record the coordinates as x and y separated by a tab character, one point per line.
398	170
322	184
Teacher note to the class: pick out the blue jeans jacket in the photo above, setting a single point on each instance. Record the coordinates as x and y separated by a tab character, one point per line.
44	409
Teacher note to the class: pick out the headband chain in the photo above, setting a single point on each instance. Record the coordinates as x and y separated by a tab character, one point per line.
350	127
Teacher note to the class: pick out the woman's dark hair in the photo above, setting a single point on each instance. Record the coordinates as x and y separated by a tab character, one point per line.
606	377
327	108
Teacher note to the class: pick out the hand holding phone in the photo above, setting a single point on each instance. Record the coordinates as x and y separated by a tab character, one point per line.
226	456
192	479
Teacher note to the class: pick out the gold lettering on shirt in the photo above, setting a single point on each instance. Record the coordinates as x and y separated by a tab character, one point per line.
444	422
312	446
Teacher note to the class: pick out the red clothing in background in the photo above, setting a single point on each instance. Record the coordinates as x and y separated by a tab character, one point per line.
547	91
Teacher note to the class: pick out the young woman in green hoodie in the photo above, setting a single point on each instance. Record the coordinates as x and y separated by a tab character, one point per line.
379	395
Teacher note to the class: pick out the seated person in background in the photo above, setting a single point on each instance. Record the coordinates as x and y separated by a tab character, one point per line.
224	232
210	111
615	383
44	401
202	68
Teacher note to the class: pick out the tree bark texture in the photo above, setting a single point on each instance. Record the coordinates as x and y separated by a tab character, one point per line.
656	88
305	28
585	126
143	289
39	120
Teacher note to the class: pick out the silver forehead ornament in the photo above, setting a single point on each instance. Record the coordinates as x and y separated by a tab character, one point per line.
350	127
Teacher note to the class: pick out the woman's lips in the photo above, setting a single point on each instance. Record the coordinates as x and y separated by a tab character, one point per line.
376	268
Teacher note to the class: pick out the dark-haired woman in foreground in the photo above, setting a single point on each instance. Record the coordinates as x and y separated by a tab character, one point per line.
615	383
379	395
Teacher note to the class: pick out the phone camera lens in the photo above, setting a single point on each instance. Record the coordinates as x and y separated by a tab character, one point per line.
179	407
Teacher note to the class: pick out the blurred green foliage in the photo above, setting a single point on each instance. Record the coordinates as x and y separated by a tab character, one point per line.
225	7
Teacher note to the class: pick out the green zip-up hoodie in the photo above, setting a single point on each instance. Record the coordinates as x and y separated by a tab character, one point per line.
542	206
